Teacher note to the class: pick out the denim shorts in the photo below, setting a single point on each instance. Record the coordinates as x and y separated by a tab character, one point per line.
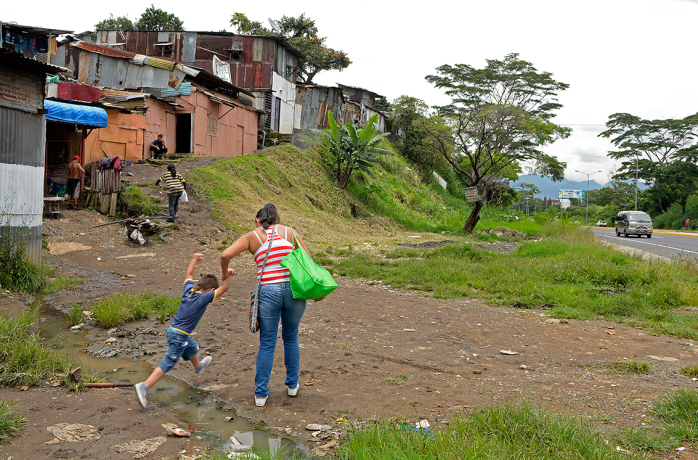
180	346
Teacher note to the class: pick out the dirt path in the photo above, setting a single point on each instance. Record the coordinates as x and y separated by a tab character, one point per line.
368	351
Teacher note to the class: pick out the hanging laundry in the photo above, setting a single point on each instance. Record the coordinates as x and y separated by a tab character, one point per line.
41	45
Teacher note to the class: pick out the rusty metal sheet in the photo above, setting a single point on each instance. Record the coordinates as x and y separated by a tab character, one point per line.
257	49
188	46
266	76
269	50
21	89
257	82
103	50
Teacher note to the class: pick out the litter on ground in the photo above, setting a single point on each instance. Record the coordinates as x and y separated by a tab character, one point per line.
72	432
140	448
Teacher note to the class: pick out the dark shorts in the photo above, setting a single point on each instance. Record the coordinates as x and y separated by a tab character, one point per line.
180	346
73	188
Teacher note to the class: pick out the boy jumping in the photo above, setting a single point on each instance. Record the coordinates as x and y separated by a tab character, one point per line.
191	309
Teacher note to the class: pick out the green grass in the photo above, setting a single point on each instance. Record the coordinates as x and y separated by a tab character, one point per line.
567	269
678	411
691	371
629	367
62	284
643	439
23	360
138	202
401	379
74	315
122	307
87	377
16	273
505	431
11	424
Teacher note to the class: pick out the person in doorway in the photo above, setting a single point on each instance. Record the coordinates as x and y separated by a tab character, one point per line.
158	147
356	120
687	222
75	171
191	308
176	185
276	301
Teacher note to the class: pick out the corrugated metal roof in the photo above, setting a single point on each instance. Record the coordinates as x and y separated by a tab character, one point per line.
35	30
359	88
103	50
116	95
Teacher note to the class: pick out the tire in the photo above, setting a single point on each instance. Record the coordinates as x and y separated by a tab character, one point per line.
649	235
617	233
625	233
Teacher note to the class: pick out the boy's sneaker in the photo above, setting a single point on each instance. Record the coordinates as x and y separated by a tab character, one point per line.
260	402
141	391
202	365
294	391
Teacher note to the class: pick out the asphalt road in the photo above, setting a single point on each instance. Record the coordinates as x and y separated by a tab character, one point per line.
663	242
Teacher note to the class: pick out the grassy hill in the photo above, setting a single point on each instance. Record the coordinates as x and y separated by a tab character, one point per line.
299	184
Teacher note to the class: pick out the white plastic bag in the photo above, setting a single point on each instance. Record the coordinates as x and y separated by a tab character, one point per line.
184	198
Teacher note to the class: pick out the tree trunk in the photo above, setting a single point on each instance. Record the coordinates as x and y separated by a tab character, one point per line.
473	218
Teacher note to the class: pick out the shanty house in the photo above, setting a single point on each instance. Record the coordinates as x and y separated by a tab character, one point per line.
202	115
263	65
312	104
22	150
360	103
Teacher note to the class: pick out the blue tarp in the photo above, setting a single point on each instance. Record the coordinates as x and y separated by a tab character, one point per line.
83	115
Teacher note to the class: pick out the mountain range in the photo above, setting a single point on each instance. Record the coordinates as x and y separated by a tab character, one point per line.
549	188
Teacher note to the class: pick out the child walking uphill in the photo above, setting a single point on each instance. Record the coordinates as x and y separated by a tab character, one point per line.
191	309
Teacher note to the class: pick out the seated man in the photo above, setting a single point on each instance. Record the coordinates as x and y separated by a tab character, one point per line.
158	147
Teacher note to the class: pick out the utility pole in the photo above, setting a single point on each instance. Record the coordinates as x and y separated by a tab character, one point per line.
586	219
635	181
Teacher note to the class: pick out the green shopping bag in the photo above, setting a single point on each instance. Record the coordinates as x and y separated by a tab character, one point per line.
309	281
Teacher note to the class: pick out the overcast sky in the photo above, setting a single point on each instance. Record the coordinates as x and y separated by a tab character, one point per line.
634	56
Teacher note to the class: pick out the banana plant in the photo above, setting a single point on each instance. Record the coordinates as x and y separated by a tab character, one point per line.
352	149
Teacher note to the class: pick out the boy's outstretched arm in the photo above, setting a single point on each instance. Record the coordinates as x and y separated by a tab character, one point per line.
225	285
195	258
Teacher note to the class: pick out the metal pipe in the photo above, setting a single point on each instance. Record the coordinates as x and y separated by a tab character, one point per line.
586	219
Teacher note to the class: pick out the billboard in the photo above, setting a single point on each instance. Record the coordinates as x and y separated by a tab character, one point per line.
567	193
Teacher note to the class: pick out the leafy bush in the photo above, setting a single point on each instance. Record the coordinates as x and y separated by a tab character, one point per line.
11	424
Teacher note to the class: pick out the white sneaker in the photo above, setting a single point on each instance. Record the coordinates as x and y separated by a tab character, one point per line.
141	391
202	365
293	391
260	402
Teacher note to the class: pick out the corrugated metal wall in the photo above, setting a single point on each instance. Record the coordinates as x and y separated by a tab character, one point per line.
22	145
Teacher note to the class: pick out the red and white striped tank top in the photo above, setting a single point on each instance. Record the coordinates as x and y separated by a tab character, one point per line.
280	248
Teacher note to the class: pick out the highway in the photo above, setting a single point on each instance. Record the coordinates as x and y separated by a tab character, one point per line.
665	243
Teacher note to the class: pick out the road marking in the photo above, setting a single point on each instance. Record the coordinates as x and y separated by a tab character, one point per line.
653	244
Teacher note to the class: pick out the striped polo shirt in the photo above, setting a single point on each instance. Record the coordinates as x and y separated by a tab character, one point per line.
273	272
174	184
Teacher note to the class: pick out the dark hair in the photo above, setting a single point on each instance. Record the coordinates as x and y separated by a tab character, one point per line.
207	282
172	170
268	216
159	135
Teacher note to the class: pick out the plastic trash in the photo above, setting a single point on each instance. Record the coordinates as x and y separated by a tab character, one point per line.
236	446
77	327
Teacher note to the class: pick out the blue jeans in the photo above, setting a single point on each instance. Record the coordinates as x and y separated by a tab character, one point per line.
174	203
180	346
276	302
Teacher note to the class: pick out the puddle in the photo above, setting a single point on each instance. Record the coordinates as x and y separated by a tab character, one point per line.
199	410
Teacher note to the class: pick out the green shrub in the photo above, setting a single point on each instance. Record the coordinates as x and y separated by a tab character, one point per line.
62	284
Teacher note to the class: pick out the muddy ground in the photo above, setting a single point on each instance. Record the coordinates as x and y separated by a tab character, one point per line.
366	350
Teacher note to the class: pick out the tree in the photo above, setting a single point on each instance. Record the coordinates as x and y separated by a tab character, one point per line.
120	23
352	149
301	32
382	104
499	117
657	141
408	114
244	26
663	152
157	19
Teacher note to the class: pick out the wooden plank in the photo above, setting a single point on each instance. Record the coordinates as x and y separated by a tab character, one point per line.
112	205
104	203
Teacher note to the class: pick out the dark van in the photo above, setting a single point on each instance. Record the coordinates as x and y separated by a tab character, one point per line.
633	223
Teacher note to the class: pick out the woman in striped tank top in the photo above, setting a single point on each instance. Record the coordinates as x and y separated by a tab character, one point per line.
275	299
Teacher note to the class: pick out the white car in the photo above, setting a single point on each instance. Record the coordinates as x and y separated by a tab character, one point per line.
601	223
